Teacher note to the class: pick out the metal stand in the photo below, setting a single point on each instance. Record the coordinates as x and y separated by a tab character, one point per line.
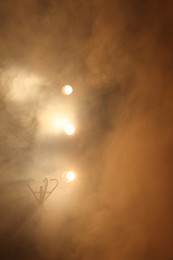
43	194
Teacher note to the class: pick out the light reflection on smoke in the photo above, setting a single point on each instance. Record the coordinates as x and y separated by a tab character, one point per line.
20	86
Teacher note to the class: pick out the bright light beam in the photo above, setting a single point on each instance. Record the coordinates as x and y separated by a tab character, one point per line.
59	122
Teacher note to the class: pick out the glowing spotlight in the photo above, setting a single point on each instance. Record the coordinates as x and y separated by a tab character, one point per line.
69	129
67	90
69	176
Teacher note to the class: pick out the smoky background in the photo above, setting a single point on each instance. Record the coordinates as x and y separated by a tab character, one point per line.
118	57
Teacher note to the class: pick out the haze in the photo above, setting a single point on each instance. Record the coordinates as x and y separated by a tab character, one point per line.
117	56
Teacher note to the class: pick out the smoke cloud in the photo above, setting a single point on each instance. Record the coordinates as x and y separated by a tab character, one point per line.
118	57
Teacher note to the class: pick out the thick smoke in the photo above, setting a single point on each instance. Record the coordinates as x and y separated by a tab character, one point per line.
118	57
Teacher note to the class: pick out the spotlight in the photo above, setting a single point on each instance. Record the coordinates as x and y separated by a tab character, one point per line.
69	129
68	176
67	90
